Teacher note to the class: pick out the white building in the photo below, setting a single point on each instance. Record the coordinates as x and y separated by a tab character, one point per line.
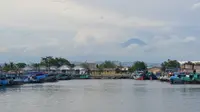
182	62
28	68
53	69
64	69
43	68
79	70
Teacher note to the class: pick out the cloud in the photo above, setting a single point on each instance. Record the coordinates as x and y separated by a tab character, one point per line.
3	49
196	6
48	14
93	29
189	39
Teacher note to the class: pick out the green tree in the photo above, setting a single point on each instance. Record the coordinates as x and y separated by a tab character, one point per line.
61	61
1	68
170	64
85	65
6	67
12	66
108	64
35	65
138	65
100	68
46	61
21	65
51	61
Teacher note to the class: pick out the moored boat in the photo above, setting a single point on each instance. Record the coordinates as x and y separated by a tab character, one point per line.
51	78
81	76
63	76
151	76
10	80
187	79
196	78
164	78
3	81
180	78
35	77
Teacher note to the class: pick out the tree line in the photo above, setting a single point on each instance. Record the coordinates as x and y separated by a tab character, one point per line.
49	61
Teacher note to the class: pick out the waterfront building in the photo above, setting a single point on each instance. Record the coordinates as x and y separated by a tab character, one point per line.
155	70
190	67
53	69
78	70
28	68
42	69
65	69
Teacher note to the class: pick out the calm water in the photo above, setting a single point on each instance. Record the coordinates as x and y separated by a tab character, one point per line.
101	96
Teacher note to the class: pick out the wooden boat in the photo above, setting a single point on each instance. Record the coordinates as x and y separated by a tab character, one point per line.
81	76
63	76
151	76
192	79
35	77
10	80
176	79
181	78
164	79
4	81
187	79
196	78
141	75
51	78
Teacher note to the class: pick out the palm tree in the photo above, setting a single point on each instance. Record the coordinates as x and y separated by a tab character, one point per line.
36	66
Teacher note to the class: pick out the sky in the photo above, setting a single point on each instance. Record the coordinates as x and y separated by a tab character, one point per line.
97	30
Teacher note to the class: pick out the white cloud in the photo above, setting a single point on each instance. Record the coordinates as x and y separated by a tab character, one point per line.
77	28
3	49
196	6
49	14
189	39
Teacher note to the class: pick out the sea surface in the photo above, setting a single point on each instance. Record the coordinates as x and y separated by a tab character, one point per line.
101	96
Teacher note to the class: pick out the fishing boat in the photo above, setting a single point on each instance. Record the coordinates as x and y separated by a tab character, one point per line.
196	78
151	76
139	75
63	76
14	79
10	80
192	79
81	76
187	79
85	76
3	81
35	77
178	78
164	78
51	78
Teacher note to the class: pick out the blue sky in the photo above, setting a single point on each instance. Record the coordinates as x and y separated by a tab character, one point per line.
95	30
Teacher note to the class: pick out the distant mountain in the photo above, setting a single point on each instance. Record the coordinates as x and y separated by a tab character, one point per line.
133	41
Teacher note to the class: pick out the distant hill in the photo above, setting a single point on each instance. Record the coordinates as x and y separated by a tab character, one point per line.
133	41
